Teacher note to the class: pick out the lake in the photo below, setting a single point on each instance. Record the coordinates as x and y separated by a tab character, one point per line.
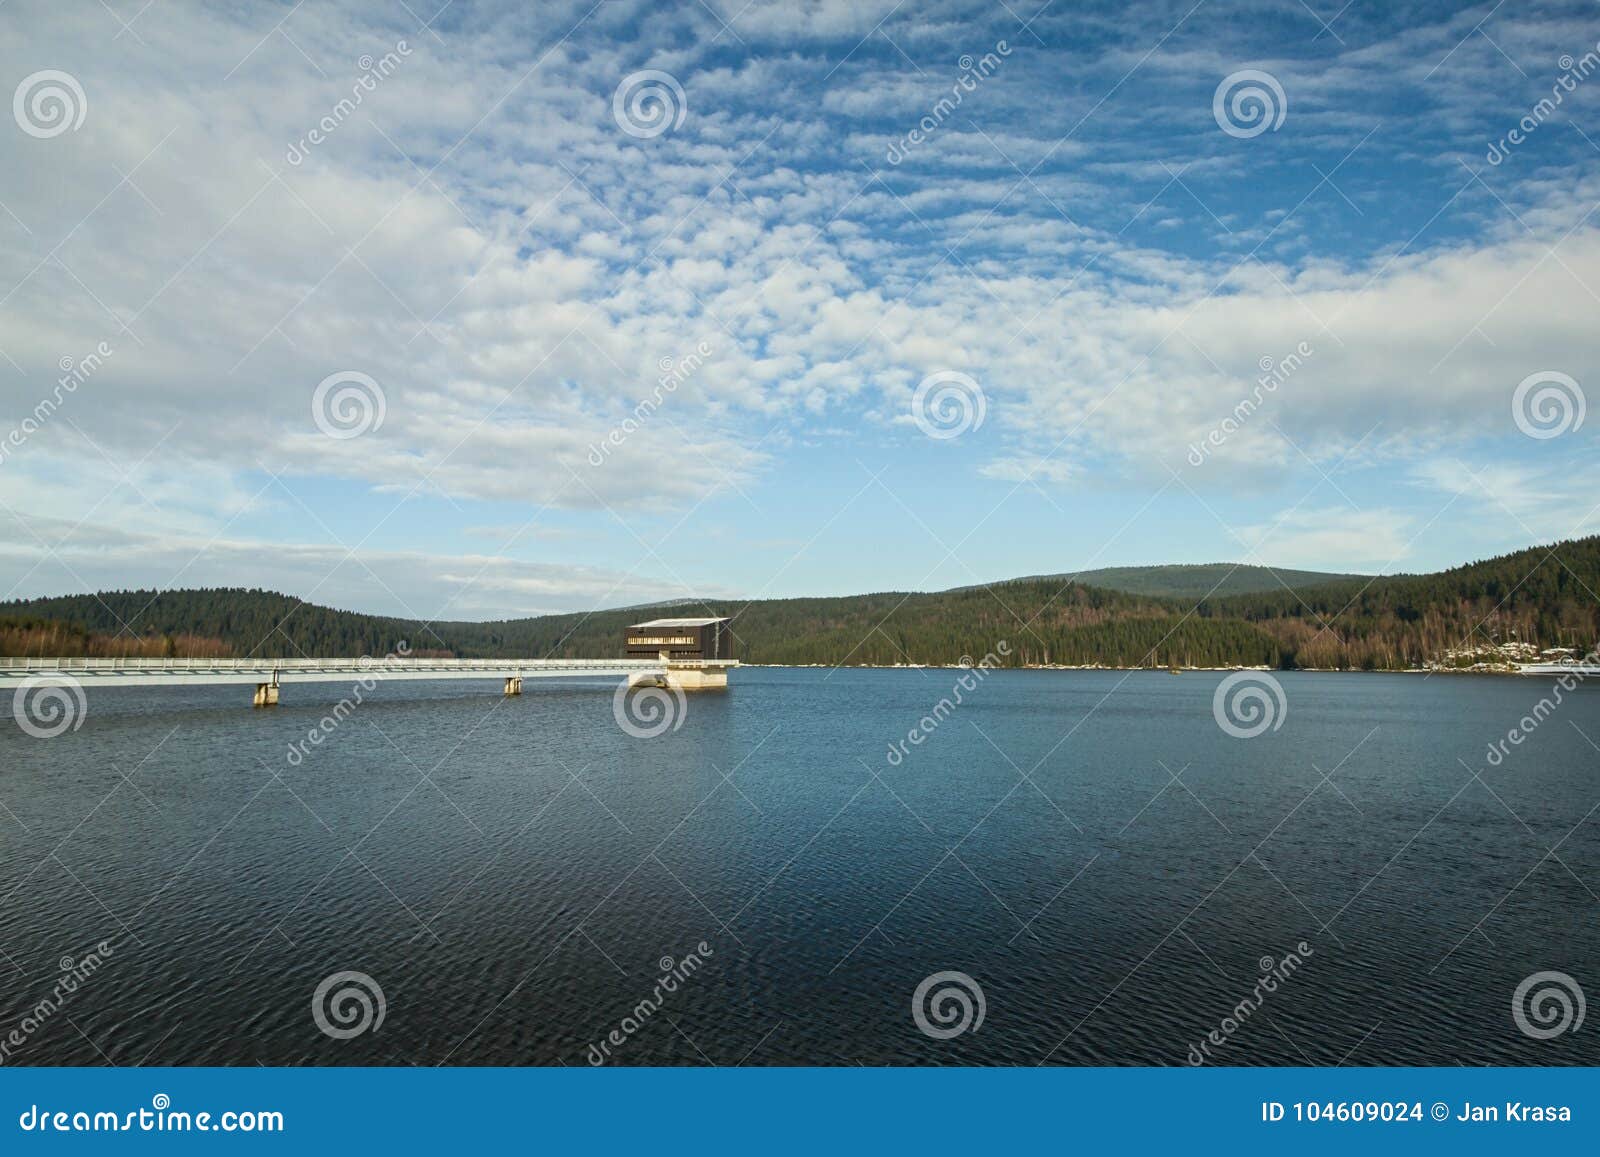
1106	874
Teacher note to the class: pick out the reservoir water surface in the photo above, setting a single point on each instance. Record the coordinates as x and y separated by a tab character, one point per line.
1112	870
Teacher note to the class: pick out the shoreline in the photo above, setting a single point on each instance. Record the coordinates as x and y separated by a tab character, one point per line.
1525	672
1577	670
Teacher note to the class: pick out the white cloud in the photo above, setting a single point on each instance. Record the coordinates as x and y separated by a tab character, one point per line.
409	584
511	268
1023	469
1331	539
1536	503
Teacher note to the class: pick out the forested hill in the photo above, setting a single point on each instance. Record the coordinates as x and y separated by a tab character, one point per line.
1543	596
1547	596
1194	580
238	622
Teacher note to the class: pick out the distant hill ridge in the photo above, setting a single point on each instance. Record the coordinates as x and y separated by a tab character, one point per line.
1541	595
1194	580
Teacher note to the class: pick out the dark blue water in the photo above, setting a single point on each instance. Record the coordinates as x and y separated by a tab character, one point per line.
512	872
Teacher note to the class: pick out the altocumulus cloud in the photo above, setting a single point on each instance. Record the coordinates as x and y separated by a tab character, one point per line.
513	271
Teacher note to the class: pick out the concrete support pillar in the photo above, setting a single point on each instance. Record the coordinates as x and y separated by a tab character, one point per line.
266	695
514	685
687	678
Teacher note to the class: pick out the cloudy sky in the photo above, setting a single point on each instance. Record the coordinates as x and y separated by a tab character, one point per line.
499	309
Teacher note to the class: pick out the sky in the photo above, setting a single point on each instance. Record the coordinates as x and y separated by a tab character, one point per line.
490	310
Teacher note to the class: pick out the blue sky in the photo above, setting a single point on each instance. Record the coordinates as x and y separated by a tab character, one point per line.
1096	248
